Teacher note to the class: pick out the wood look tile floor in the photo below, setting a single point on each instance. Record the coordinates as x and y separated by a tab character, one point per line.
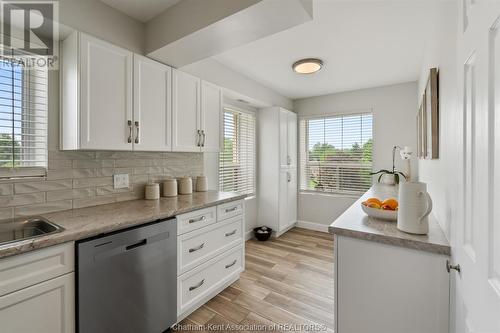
288	281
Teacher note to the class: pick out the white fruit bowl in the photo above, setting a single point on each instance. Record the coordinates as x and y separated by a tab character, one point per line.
387	215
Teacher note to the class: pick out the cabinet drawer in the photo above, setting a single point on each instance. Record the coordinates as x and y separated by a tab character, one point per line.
200	282
23	270
230	209
195	220
198	246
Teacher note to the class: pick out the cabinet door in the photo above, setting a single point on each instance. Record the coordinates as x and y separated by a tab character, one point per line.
283	151
152	105
185	112
50	306
292	196
292	139
283	199
210	117
106	95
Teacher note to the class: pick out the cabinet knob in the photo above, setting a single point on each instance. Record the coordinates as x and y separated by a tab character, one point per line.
129	122
449	267
137	133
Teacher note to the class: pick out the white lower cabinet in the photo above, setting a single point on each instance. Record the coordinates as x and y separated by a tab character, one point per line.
38	291
209	256
382	288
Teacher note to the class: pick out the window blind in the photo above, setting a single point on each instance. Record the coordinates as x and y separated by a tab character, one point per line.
336	154
237	159
23	119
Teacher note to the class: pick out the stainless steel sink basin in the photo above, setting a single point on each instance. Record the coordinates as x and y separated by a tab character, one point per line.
26	228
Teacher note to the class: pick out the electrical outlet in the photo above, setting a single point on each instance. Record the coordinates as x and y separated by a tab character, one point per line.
120	180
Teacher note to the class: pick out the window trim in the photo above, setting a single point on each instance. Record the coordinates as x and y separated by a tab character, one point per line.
340	194
254	114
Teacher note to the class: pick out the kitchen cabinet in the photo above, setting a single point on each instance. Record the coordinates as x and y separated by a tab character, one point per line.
152	105
278	169
41	284
196	114
96	94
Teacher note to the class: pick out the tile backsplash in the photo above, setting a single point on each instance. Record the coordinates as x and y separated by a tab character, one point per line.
78	179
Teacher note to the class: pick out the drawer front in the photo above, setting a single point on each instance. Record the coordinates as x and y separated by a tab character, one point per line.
193	286
230	209
196	220
197	247
24	270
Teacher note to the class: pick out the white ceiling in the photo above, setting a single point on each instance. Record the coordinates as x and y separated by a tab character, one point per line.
363	44
142	10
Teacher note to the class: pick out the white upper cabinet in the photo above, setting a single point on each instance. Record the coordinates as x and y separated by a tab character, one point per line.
288	139
185	112
210	117
152	105
96	94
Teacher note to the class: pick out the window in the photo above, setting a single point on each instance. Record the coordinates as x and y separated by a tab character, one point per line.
23	120
336	154
237	159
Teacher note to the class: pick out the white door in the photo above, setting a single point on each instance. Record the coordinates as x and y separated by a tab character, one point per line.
47	307
283	144
292	139
476	240
106	95
185	112
292	196
210	117
152	105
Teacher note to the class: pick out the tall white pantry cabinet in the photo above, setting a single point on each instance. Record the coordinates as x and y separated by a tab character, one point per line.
278	186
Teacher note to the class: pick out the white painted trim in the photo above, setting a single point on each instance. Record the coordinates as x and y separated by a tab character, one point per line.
312	226
248	235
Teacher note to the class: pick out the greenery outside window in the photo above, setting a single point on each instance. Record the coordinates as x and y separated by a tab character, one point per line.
237	159
336	154
23	120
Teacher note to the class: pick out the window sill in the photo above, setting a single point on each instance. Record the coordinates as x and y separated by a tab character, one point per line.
334	195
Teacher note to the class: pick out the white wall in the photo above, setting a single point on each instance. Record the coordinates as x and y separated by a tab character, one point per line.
441	53
394	109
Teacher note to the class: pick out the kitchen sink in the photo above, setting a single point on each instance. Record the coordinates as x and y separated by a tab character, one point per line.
26	228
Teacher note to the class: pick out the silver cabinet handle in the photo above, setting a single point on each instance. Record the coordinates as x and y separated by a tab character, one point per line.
288	177
229	210
449	267
197	286
204	137
288	160
129	122
199	247
137	133
231	233
198	139
203	218
231	264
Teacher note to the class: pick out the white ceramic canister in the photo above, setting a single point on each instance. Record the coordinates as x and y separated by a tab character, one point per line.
201	184
170	187
185	185
415	205
152	191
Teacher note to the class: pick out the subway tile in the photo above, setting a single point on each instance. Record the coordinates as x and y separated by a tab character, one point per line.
87	164
105	172
70	194
71	155
84	173
43	208
43	186
107	190
59	164
59	174
6	189
6	214
90	182
94	201
130	163
22	199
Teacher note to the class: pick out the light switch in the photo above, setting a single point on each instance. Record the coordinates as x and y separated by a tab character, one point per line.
120	180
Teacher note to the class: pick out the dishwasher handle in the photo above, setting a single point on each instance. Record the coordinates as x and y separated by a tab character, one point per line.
138	244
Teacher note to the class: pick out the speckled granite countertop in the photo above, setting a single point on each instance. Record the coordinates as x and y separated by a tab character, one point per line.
91	221
355	223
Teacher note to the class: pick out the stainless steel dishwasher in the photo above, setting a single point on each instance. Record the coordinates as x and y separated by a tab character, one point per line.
126	280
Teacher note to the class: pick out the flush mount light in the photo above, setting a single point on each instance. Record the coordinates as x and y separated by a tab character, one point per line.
307	66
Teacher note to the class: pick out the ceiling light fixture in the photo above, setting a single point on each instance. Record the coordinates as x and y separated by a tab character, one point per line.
307	66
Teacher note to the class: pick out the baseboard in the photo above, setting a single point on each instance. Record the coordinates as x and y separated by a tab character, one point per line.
248	235
312	226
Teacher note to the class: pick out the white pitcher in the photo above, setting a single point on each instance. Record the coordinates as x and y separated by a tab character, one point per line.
415	205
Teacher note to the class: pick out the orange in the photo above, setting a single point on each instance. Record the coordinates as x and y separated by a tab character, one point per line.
387	207
373	205
391	202
374	200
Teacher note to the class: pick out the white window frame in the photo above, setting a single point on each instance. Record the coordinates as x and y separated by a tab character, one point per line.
304	152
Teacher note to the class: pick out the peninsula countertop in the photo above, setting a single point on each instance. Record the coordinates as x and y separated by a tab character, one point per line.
91	221
356	224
